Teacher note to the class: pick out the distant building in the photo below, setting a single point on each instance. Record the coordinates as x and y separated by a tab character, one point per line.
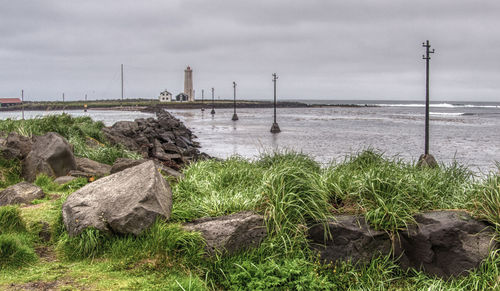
6	102
182	97
188	83
165	96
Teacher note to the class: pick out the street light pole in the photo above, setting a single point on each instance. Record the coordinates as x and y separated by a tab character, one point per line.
275	128
202	97
235	116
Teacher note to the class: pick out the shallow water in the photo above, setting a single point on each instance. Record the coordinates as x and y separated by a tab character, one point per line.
467	134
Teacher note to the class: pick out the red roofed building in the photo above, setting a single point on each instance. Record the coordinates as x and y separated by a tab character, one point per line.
5	102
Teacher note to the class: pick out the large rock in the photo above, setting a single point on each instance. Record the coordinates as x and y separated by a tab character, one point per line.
230	233
445	243
91	167
16	146
51	154
351	239
21	193
124	163
127	202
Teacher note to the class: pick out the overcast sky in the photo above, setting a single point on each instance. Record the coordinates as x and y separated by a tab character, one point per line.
320	49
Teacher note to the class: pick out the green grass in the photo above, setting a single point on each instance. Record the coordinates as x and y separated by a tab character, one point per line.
82	132
10	220
10	172
291	190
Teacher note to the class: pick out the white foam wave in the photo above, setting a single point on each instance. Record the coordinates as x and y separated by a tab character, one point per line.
439	105
447	113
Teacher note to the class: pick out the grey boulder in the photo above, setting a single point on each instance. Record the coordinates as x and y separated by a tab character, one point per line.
64	179
127	202
123	163
230	233
51	154
351	239
16	146
445	243
92	168
21	193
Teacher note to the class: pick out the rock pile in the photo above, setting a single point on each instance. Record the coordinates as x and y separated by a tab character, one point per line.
165	139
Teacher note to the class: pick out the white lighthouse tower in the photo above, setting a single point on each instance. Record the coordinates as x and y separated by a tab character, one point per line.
188	83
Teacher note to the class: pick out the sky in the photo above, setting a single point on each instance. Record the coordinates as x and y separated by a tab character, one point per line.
320	49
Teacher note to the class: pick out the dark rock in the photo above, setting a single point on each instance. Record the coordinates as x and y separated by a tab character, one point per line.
21	193
16	146
171	172
127	202
124	163
51	154
445	243
79	174
64	179
44	232
91	167
230	233
351	239
427	161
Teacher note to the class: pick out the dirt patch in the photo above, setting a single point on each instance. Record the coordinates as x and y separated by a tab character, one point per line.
46	254
47	286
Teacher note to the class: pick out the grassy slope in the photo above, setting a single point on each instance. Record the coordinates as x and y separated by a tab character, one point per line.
291	190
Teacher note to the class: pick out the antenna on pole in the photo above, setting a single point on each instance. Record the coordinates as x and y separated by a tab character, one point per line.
235	116
121	103
427	159
213	102
275	128
22	102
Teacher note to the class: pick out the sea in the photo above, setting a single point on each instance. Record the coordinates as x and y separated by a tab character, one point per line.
463	132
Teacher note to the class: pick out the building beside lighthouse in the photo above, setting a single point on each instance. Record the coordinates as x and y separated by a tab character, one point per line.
186	96
188	83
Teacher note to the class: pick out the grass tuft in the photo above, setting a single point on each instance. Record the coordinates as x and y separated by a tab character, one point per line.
15	251
10	220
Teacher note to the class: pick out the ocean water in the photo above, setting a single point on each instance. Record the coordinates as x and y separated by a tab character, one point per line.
468	133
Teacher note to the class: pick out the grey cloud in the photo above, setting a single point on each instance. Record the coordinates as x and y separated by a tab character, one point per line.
320	48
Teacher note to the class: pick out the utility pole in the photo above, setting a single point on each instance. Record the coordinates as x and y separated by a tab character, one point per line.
427	159
22	102
85	105
63	104
235	116
202	97
213	102
275	128
121	104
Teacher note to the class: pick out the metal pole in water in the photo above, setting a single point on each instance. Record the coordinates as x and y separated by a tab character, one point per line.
275	128
427	159
213	102
202	97
85	105
235	116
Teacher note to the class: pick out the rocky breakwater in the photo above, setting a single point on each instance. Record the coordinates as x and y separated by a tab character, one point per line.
165	139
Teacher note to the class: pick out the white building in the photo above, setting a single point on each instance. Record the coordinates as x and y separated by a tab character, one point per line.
165	96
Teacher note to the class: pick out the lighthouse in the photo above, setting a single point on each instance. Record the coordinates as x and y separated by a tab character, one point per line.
188	83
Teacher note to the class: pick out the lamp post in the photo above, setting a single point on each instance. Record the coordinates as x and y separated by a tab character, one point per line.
275	128
235	116
213	102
